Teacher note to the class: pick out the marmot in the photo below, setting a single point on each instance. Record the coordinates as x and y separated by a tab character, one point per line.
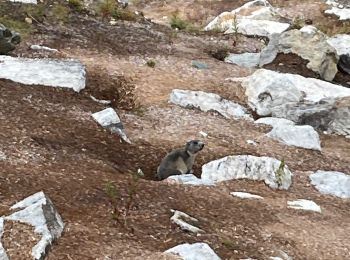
179	161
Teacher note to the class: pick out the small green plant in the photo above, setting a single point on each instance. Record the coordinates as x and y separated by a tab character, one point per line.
76	4
121	206
235	27
123	14
220	53
177	23
106	8
297	23
151	63
279	174
60	12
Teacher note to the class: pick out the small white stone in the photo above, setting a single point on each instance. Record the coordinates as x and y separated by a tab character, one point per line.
196	251
245	195
308	205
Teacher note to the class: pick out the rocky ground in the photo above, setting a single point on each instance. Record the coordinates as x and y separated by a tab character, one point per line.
50	142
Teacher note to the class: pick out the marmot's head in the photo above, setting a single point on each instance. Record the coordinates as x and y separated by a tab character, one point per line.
194	146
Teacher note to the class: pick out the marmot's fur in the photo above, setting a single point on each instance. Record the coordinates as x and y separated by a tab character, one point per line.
179	161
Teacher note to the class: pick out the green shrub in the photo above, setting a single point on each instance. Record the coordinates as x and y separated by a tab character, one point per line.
177	23
151	63
76	4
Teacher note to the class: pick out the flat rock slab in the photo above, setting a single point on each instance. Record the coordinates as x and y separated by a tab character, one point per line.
47	72
332	183
208	102
248	60
302	204
265	169
109	119
246	195
189	179
196	251
299	136
180	218
268	90
38	211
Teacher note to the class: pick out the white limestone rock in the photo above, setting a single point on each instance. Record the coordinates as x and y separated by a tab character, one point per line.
245	195
322	57
38	211
342	13
196	251
180	218
300	136
302	204
109	119
309	29
25	1
256	17
42	48
248	167
273	121
341	43
268	90
332	183
258	27
47	72
188	179
248	60
208	102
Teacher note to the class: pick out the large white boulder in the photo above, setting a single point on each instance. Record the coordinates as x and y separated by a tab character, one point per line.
287	132
300	136
312	47
256	17
270	170
38	211
332	183
268	90
47	72
208	102
196	251
341	43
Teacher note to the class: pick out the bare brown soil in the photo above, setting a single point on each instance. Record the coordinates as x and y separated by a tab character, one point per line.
52	144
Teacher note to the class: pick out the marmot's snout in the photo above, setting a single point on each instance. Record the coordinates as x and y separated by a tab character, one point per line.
194	146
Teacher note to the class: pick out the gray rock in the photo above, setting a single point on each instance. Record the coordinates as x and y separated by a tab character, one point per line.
109	119
8	40
282	95
274	121
208	102
332	183
265	169
312	47
199	65
196	251
248	60
329	114
38	211
47	72
341	43
300	136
